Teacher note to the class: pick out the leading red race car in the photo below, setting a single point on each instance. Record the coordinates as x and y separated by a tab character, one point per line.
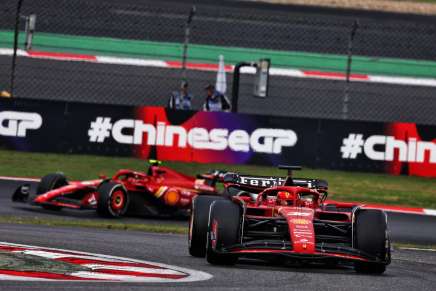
159	191
266	217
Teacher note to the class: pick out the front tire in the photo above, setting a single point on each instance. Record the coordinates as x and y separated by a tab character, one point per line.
198	222
113	200
223	231
371	237
50	182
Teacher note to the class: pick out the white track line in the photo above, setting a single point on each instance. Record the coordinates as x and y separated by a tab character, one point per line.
131	62
431	212
396	80
20	179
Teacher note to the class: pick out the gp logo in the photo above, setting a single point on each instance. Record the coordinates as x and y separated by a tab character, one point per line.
13	123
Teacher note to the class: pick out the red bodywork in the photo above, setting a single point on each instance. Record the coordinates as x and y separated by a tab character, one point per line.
159	191
304	226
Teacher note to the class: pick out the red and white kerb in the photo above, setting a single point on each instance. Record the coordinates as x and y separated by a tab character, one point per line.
96	267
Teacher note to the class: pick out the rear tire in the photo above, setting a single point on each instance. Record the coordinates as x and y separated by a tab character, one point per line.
197	236
370	236
223	231
50	182
113	200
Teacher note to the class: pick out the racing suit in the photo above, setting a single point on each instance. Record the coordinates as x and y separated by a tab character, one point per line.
217	102
180	101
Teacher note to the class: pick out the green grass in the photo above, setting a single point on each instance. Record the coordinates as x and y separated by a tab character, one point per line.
97	224
344	186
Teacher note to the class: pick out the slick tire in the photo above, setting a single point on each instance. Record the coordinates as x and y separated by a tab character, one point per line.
113	200
50	182
197	235
370	236
223	231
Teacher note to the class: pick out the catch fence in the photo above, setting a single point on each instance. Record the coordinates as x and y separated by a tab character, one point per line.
132	53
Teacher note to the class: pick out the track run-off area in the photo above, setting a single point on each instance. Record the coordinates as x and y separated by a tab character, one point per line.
32	263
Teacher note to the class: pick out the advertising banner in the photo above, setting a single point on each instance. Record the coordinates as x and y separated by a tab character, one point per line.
217	137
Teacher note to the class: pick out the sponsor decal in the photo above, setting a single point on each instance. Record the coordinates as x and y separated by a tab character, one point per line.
300	221
385	148
303	232
406	131
160	191
214	234
66	265
297	213
14	123
265	182
217	137
404	148
138	132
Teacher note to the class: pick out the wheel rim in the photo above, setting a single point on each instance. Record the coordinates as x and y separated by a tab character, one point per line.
117	201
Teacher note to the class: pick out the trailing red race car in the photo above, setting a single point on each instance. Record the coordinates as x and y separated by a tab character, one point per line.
266	217
160	190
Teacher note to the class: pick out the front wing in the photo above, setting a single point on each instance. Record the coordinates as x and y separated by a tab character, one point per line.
322	251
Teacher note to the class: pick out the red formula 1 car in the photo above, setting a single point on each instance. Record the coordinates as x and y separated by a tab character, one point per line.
270	217
159	191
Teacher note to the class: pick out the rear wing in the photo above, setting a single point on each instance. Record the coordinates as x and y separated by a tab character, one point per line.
212	177
250	182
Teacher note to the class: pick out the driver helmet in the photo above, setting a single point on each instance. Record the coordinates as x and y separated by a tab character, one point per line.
305	200
284	198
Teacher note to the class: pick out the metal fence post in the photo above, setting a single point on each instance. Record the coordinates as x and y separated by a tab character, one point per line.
235	84
14	56
186	41
349	60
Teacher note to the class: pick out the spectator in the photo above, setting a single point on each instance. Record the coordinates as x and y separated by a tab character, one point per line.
181	100
215	100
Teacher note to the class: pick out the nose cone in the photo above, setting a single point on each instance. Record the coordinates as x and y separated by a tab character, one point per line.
300	223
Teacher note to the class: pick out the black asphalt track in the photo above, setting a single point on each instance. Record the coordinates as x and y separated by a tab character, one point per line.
409	270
